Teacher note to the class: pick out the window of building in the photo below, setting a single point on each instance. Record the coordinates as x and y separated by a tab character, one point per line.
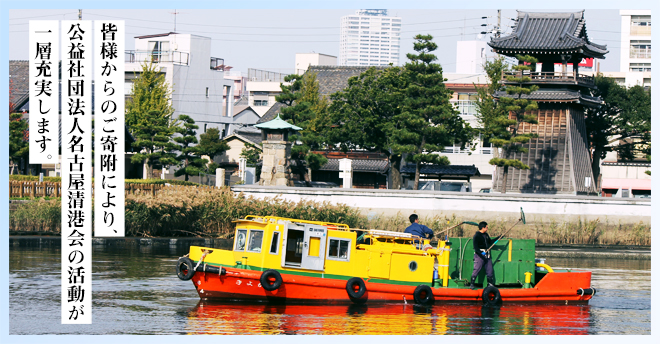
339	249
261	102
159	50
640	67
640	49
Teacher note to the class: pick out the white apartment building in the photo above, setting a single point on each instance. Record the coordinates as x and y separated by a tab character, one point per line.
304	60
636	46
197	79
369	38
471	56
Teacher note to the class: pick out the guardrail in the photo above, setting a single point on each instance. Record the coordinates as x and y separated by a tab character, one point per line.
138	56
54	189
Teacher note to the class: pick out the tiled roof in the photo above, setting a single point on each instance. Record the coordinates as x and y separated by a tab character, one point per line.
271	113
242	101
559	95
358	165
251	133
19	80
549	32
459	170
335	78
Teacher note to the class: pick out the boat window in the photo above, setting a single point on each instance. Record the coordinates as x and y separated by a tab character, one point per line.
275	243
254	244
241	235
339	249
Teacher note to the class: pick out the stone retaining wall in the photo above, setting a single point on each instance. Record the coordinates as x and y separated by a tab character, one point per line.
537	207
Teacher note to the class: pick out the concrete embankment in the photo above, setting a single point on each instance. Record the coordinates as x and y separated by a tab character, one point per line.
538	208
600	252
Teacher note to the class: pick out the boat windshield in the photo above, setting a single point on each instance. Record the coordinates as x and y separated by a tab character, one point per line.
241	235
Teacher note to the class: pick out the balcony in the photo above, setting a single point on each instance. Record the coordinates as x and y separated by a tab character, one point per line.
637	30
465	107
636	53
551	78
155	56
217	63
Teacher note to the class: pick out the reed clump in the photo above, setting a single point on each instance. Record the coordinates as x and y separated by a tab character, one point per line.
39	216
191	211
209	212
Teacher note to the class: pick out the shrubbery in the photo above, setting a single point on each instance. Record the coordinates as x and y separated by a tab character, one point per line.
209	212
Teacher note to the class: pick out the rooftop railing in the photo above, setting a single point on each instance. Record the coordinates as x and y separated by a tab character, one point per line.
157	56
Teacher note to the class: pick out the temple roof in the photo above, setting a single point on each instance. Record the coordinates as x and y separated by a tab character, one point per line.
548	33
556	96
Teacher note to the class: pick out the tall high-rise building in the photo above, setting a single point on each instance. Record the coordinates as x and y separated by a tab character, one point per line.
369	38
636	46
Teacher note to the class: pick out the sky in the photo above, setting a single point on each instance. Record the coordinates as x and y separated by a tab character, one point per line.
268	39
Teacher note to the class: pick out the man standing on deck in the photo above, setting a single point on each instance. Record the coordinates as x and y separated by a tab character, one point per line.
419	230
481	241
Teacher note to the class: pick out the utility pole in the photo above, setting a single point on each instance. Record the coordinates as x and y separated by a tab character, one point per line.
498	29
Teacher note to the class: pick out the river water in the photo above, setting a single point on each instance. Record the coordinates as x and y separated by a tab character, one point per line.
136	291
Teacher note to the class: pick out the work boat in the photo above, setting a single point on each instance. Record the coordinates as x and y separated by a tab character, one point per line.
287	260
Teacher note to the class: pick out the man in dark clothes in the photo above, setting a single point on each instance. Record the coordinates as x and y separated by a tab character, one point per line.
419	230
481	241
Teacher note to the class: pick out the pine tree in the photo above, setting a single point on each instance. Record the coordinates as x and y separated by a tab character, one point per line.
624	118
211	145
19	148
190	160
428	122
305	107
505	125
362	115
149	118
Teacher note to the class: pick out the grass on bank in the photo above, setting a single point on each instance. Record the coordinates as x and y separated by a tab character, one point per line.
209	212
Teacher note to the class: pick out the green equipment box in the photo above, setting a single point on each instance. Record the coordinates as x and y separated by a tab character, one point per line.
511	259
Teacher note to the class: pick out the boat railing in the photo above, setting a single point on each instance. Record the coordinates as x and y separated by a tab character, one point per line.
282	220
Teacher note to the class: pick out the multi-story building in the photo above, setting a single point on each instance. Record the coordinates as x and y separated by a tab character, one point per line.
305	60
262	87
369	38
197	79
636	42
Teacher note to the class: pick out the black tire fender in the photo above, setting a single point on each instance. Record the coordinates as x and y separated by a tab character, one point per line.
355	288
185	268
266	277
491	296
423	295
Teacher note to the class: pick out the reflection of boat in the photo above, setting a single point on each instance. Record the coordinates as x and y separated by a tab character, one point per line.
278	259
387	318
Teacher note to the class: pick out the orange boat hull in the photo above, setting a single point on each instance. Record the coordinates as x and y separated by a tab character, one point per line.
239	284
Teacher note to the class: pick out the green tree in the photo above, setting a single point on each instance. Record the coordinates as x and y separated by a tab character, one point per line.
190	161
488	109
252	156
149	118
362	115
19	148
211	145
428	121
504	126
621	124
305	107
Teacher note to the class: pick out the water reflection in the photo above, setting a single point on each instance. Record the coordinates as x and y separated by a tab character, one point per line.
135	291
391	318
